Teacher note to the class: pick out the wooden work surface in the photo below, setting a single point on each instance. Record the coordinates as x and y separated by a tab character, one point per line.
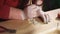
24	27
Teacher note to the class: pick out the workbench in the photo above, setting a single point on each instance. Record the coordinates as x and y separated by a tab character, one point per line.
24	27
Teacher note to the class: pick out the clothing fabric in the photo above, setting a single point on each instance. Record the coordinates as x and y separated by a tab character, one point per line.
5	7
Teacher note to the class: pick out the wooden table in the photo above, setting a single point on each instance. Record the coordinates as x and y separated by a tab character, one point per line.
24	27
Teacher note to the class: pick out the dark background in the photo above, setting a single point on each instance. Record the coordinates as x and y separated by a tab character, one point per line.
51	4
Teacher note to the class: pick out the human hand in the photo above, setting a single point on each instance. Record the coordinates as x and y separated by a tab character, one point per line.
31	11
34	11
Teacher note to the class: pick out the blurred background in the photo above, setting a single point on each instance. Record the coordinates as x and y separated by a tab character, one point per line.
21	4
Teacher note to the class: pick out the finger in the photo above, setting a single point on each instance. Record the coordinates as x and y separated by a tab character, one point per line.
47	18
32	9
32	6
44	18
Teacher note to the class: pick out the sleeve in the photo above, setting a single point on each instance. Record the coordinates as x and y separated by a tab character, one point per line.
4	10
1	3
5	7
13	3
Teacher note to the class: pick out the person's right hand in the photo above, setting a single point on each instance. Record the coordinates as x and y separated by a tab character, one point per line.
31	11
35	11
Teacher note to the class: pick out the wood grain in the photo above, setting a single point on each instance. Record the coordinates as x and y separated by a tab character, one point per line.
24	27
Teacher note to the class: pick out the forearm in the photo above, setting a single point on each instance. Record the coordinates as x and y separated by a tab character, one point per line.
16	14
